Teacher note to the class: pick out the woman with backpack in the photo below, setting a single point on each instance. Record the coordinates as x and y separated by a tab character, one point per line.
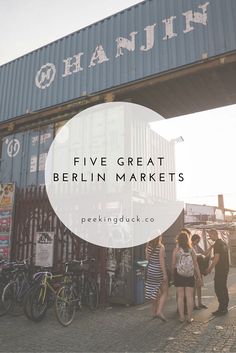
156	277
185	269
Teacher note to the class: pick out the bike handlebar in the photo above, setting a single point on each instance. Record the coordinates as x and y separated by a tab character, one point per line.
43	273
79	261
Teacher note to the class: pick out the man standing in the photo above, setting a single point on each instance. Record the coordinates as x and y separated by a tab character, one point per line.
221	264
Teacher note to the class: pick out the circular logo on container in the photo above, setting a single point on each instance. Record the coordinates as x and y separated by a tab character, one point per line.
13	147
110	176
45	76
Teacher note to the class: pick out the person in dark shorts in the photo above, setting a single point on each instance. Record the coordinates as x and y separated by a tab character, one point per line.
185	268
221	264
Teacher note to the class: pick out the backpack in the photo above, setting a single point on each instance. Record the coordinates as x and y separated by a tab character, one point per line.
185	266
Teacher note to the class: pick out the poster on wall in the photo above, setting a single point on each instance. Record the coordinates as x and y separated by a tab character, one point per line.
7	192
44	249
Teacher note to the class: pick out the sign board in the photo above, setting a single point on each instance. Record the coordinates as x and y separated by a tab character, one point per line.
44	249
195	210
7	192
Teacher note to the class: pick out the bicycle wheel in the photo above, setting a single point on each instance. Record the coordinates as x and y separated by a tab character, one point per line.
38	302
91	294
65	305
27	302
3	310
9	297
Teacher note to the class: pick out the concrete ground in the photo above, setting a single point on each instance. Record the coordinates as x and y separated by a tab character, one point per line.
127	329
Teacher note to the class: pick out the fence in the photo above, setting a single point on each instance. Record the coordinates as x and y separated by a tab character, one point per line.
33	213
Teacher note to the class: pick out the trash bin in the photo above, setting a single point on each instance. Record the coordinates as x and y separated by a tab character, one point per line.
139	281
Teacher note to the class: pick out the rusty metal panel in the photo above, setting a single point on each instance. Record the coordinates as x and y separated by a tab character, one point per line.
147	39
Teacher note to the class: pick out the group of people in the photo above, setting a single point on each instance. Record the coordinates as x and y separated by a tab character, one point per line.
189	263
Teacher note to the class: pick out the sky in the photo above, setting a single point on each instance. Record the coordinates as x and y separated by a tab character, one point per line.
29	24
207	154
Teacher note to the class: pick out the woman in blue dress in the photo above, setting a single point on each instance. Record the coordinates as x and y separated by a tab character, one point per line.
156	279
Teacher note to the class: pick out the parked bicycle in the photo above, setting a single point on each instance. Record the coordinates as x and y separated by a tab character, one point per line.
42	294
27	304
79	289
69	292
13	293
6	269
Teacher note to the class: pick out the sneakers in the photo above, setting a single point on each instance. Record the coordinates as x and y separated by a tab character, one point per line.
220	312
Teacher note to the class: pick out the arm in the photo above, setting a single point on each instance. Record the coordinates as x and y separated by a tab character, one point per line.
199	251
213	263
208	251
173	260
162	262
196	267
146	251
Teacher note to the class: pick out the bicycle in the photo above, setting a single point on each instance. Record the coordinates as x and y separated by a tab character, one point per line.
42	295
66	301
6	269
14	292
79	289
27	298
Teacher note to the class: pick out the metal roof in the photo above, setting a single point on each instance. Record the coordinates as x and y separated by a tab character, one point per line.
218	226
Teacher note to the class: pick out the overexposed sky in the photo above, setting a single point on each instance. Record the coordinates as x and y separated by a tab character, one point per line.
207	155
29	24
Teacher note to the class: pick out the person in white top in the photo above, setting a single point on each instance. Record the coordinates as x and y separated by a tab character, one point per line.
203	261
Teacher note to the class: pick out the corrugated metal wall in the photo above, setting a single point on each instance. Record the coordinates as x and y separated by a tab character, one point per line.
114	54
24	155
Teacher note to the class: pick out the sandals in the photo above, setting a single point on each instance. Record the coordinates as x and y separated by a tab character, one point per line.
161	317
189	321
199	307
196	307
202	306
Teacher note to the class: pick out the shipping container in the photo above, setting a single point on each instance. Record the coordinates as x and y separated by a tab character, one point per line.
24	155
143	41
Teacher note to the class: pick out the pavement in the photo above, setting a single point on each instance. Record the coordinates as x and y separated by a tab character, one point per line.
127	329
